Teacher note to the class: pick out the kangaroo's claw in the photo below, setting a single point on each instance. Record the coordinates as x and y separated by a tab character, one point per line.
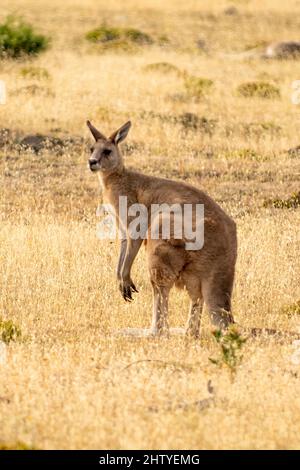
126	289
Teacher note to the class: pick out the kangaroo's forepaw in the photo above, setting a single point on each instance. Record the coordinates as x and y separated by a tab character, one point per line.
127	287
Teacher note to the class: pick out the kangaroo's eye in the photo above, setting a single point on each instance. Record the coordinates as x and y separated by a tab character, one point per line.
106	152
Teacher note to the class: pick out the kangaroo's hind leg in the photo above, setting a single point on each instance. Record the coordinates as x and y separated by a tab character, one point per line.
160	309
165	263
217	296
193	288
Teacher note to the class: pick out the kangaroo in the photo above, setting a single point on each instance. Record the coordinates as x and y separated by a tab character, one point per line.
207	274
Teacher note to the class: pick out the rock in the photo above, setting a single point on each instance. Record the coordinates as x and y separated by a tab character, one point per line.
201	44
283	50
230	11
38	142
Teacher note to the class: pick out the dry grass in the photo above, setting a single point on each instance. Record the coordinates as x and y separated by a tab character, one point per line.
64	384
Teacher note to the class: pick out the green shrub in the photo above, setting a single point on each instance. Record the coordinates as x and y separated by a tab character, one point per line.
137	36
290	203
105	34
258	90
9	331
162	67
38	73
230	345
18	38
197	86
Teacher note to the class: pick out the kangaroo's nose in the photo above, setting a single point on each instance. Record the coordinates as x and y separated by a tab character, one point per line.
92	162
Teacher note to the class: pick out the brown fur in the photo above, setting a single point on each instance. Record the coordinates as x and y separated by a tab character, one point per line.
206	274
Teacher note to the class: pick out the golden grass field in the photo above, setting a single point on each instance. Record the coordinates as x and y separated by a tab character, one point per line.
70	382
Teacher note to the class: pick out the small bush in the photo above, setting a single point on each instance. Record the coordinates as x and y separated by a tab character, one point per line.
18	38
38	73
290	203
105	34
258	90
162	67
9	331
230	344
137	36
197	87
194	122
290	310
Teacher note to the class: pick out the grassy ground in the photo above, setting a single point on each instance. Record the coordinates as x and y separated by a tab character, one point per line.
66	383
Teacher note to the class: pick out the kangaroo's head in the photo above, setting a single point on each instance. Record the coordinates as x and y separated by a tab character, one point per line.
105	154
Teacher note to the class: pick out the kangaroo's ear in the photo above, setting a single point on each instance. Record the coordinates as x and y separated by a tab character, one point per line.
121	133
97	134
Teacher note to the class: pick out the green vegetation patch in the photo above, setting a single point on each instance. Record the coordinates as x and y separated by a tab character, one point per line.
293	202
118	36
197	87
19	445
230	345
9	331
292	309
162	67
258	90
38	73
18	38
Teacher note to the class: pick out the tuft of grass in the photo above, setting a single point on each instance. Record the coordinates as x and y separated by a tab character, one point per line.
244	154
18	38
118	36
38	73
294	152
197	87
293	202
192	121
19	445
258	90
259	129
136	36
256	45
103	34
34	90
162	67
292	309
9	331
230	345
